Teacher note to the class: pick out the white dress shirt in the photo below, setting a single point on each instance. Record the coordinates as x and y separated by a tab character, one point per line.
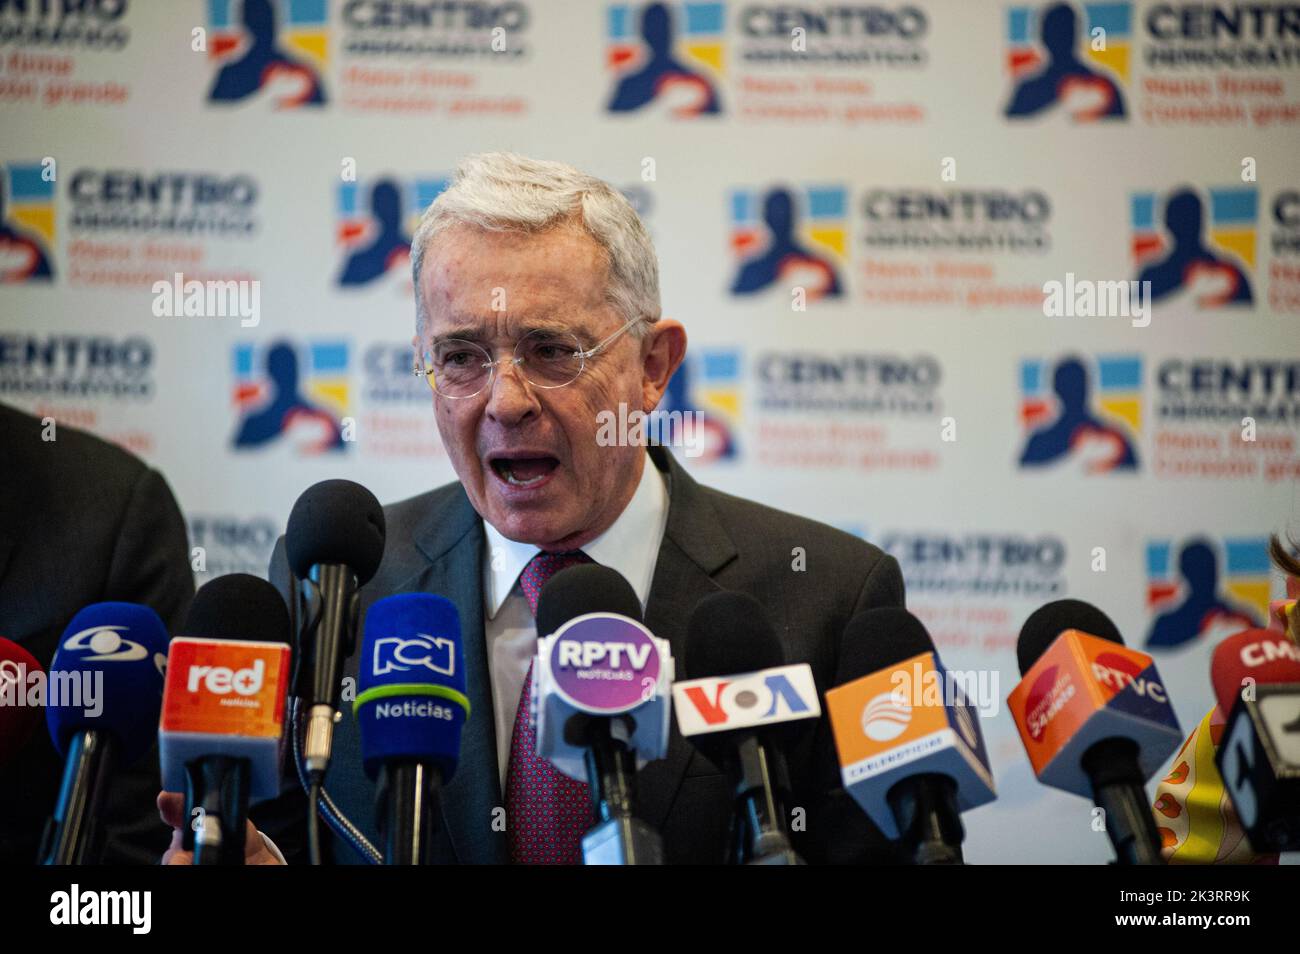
630	546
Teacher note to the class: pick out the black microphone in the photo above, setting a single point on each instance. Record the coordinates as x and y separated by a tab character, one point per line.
223	711
1256	676
924	795
411	707
730	634
611	743
1123	726
107	676
334	544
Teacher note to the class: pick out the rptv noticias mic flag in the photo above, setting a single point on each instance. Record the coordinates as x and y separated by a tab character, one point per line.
859	210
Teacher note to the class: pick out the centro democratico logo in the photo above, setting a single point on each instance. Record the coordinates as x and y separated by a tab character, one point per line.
885	718
107	644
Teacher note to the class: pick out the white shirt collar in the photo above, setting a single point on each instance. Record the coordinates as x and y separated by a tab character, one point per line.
630	545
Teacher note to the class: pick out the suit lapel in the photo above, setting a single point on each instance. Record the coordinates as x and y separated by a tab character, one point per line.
451	538
695	548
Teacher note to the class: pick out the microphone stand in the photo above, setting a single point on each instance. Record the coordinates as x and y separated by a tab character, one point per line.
218	786
73	838
619	837
759	835
410	796
1117	789
925	807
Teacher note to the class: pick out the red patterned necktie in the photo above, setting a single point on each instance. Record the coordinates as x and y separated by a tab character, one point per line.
547	813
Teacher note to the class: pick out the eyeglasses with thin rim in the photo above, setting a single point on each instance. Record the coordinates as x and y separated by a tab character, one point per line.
457	368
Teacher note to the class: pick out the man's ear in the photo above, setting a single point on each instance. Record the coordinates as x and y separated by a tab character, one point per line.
662	353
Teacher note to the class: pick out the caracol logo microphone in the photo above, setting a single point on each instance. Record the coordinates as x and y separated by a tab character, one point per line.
107	643
395	654
885	718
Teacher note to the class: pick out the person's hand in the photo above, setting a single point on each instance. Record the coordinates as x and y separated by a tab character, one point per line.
171	808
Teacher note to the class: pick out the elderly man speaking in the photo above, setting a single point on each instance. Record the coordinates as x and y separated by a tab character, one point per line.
537	309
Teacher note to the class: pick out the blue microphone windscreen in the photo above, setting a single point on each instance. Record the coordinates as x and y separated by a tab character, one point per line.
108	674
411	701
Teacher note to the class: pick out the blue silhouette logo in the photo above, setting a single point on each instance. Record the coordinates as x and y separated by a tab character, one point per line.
773	250
389	243
378	239
278	401
26	225
1060	75
1203	607
252	56
1069	425
652	68
708	383
1186	260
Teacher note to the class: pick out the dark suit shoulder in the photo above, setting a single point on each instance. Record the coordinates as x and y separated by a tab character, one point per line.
73	456
412	511
782	544
419	529
90	520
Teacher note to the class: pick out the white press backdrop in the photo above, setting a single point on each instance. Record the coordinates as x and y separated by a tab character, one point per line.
898	407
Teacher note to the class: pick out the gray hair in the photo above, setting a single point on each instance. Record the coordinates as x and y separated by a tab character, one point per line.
504	192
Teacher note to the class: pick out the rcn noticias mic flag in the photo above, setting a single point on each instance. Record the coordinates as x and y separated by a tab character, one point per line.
1084	689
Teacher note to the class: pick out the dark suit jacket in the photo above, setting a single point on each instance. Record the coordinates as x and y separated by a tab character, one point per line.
81	521
713	541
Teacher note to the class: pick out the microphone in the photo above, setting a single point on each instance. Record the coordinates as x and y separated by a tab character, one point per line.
106	683
220	736
18	718
411	707
1094	719
909	742
742	707
600	703
334	543
1256	676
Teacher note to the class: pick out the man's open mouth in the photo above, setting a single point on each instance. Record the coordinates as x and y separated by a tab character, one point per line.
524	471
